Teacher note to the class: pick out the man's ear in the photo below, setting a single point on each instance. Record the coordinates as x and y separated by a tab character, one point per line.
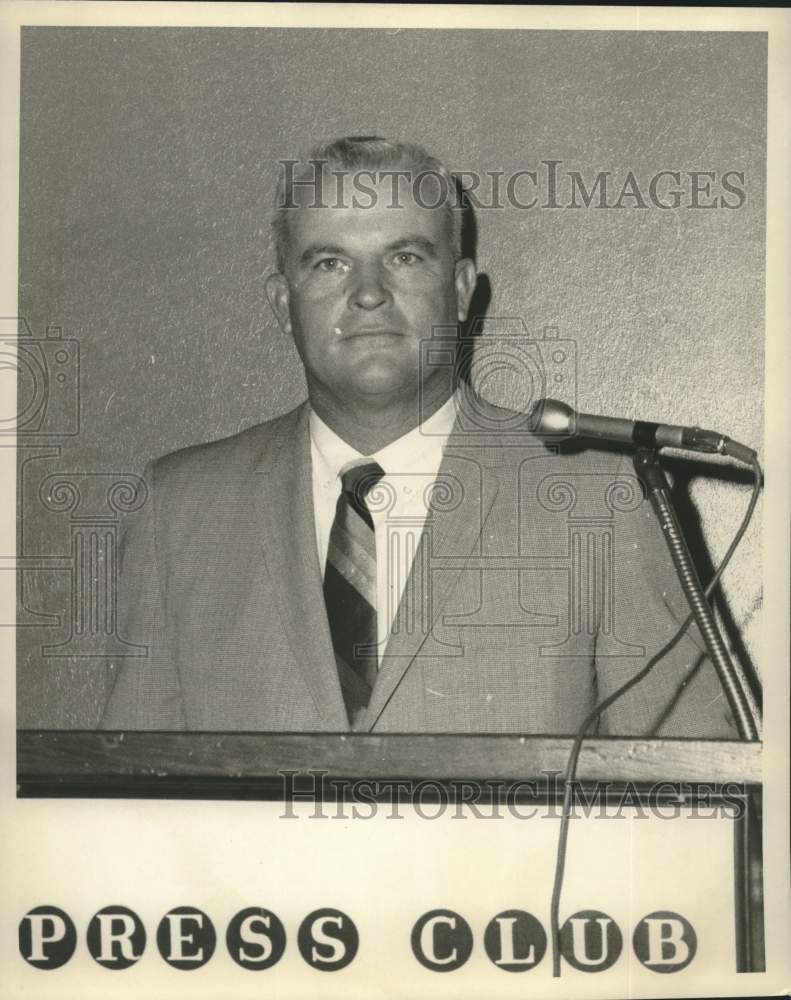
465	280
277	292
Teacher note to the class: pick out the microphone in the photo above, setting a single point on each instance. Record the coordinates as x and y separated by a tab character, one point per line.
553	417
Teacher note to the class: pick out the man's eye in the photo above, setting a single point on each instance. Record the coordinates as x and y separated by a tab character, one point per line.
406	257
330	264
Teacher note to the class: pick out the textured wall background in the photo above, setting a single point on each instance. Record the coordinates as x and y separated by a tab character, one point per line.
147	168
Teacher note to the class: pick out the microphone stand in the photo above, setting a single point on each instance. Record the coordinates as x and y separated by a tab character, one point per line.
651	474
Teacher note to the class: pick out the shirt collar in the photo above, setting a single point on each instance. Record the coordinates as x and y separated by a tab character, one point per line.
419	450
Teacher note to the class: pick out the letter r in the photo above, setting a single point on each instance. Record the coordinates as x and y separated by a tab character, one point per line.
107	937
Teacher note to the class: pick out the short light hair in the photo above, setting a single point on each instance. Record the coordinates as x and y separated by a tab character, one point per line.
367	153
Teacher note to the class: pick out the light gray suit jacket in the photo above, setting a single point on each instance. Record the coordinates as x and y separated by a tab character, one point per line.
541	583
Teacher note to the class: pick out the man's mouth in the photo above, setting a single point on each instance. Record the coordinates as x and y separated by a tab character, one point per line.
367	331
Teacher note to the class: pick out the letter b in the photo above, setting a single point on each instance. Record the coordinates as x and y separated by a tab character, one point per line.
665	941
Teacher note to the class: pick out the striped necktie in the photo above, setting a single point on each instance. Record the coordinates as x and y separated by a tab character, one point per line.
350	587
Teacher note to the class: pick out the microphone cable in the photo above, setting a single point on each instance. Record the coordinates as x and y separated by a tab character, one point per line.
593	715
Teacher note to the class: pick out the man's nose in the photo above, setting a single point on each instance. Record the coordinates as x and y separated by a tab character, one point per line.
370	289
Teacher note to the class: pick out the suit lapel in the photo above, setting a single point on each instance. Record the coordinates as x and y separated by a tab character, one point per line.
453	533
286	510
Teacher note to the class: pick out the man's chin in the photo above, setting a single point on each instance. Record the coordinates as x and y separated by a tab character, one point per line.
380	384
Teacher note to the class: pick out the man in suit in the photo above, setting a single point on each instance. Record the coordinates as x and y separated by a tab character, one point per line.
396	554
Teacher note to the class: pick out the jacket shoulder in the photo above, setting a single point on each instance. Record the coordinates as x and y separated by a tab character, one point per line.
233	455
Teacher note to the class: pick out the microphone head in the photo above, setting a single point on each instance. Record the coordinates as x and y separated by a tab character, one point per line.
550	416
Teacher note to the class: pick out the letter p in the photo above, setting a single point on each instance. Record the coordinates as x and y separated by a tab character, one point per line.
47	937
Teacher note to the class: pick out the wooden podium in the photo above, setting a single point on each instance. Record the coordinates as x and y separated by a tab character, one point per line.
77	764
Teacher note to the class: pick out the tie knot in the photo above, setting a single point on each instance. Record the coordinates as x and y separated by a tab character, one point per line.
358	481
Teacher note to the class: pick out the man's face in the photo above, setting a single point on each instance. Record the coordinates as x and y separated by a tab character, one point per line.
362	287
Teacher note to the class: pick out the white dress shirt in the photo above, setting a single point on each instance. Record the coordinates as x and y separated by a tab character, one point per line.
397	504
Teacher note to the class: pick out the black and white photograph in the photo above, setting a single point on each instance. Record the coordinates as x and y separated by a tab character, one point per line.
397	427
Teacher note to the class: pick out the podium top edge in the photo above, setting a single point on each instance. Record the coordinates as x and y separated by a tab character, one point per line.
99	755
